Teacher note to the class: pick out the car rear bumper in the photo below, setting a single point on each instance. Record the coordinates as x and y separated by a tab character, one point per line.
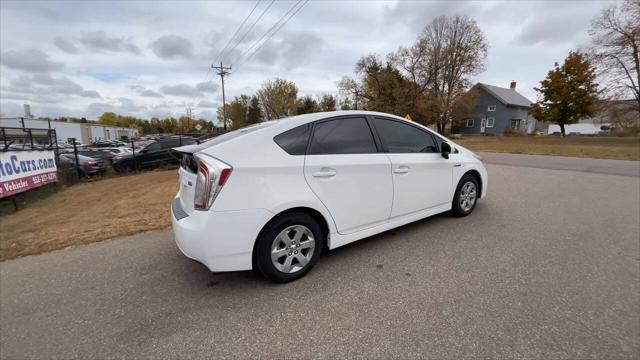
221	240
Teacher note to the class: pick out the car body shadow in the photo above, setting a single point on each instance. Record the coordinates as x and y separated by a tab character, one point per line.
197	276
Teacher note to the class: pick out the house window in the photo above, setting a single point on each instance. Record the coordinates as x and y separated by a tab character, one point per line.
515	124
469	122
491	108
491	122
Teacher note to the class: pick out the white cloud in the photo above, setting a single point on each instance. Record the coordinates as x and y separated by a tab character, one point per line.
172	47
46	86
207	104
65	45
123	106
30	60
99	41
189	91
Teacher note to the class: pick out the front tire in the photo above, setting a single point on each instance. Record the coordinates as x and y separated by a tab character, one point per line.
289	247
466	196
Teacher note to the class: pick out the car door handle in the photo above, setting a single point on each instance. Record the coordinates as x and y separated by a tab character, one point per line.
401	170
324	173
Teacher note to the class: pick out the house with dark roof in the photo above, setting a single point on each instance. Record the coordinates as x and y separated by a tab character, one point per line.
498	109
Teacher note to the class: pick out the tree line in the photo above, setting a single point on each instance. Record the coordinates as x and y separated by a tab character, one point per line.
275	99
181	125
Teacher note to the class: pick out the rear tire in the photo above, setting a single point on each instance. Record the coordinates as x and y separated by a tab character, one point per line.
466	196
126	167
289	247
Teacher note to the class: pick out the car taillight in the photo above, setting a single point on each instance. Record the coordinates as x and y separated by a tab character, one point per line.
91	163
478	157
211	177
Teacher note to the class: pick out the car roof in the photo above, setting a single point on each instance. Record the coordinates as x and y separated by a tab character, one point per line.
274	127
307	118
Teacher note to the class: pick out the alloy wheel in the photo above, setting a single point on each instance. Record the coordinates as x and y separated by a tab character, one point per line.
292	249
468	196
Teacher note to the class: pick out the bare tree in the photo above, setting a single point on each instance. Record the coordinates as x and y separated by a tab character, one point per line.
350	89
442	61
615	50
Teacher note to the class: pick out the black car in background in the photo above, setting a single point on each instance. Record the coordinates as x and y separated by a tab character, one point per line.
157	153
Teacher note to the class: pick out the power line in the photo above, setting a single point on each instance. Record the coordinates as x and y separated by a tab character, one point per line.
249	30
237	31
248	50
277	28
227	45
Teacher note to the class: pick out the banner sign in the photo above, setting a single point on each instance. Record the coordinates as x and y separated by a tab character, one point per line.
25	170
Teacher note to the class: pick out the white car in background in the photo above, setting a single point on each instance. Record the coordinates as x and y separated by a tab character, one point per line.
274	195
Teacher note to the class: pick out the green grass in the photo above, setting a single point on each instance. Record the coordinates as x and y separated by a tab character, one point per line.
620	148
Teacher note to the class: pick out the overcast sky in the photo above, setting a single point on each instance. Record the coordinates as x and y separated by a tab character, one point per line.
152	59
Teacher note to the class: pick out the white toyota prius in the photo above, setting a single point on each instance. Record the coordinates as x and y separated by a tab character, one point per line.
273	196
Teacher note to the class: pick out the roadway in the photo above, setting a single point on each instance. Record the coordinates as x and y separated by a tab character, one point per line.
548	266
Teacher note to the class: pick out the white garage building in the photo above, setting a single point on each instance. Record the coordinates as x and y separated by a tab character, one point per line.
83	132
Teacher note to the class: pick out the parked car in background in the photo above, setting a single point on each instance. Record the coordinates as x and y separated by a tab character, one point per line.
105	153
274	195
108	143
112	152
156	153
87	166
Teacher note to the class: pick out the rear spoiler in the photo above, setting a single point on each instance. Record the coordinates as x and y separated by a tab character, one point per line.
190	149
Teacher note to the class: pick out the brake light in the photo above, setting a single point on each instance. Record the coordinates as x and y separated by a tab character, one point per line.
224	175
91	163
203	184
478	157
211	177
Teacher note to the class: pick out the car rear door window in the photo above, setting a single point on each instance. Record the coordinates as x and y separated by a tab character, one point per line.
342	136
398	137
294	141
154	147
169	144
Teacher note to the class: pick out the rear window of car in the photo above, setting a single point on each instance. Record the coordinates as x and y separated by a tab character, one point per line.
192	149
168	144
342	136
294	141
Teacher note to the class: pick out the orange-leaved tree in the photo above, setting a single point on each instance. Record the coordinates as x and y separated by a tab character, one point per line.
568	94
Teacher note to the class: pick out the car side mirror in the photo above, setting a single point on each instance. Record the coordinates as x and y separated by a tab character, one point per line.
445	150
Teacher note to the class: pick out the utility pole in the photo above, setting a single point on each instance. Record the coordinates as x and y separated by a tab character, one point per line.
189	117
222	71
356	97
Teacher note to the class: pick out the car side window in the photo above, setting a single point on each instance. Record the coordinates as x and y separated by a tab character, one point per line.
170	144
153	147
294	141
342	136
398	137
